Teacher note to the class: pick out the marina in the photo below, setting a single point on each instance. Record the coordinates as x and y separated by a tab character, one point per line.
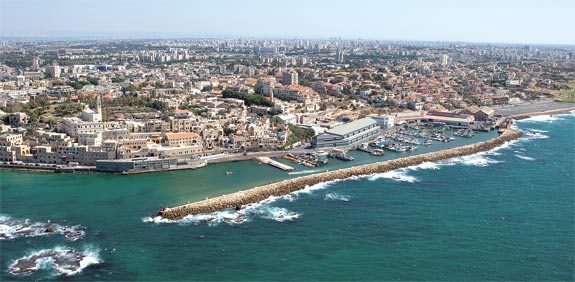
238	199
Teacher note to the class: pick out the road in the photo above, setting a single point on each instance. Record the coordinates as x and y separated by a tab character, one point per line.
534	107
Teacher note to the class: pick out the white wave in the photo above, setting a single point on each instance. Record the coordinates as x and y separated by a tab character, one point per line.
279	214
335	197
63	261
424	165
305	171
536	130
541	118
495	151
397	175
310	189
525	157
535	135
478	159
11	228
245	214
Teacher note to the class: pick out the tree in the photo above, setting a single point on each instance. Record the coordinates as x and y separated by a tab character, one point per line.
249	99
93	80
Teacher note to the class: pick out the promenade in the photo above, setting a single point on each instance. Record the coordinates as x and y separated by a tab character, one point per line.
236	200
533	108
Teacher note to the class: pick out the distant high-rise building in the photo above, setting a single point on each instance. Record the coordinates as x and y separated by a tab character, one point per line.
289	78
35	63
222	68
339	55
443	59
54	71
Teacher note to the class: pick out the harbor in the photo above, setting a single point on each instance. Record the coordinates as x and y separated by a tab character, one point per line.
240	198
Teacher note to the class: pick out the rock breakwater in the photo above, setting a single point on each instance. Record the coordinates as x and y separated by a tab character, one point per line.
284	187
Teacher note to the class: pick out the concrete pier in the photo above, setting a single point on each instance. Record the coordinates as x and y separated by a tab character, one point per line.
266	160
290	185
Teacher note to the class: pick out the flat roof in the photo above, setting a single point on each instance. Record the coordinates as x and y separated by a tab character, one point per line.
352	126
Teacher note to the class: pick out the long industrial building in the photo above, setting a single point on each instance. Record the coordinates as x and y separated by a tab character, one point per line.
348	134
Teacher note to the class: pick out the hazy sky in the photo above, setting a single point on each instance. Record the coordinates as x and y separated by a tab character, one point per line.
513	21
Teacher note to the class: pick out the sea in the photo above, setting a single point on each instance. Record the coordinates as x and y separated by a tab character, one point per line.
502	215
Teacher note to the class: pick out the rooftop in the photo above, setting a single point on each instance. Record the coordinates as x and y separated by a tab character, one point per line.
352	126
181	135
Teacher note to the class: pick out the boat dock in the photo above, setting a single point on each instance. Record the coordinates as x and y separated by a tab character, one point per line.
266	160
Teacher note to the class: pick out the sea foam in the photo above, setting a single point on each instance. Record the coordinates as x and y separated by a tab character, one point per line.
336	197
524	157
60	260
396	175
542	118
232	217
12	228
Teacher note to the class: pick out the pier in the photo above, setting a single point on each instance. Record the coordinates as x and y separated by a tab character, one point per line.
266	160
257	194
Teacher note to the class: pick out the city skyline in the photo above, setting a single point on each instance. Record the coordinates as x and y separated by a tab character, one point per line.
515	22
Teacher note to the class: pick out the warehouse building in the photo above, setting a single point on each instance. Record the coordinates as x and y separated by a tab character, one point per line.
348	134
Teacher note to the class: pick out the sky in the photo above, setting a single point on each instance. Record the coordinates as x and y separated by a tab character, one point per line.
506	21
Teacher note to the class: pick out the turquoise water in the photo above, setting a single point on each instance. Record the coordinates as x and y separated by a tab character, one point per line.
507	214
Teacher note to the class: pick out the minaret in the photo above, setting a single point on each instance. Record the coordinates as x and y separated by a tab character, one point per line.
100	113
99	103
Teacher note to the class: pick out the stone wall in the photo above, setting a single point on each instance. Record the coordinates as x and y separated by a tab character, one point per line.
290	185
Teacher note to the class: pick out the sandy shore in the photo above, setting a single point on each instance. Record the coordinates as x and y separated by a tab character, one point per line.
260	193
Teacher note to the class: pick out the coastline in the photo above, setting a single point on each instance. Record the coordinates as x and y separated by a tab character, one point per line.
260	193
222	159
550	112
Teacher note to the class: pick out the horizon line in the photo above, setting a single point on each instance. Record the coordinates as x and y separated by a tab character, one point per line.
143	36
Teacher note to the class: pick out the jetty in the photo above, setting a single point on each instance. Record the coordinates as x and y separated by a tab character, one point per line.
274	163
236	200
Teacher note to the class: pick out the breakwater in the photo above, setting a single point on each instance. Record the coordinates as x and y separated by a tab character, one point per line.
284	187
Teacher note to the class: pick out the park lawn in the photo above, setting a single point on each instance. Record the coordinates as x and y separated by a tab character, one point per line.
568	95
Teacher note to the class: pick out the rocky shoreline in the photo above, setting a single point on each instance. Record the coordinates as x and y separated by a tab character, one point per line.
284	187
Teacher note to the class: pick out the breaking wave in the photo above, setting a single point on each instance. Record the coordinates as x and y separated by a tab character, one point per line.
479	159
60	260
246	214
535	135
397	175
11	228
424	165
541	118
524	157
335	197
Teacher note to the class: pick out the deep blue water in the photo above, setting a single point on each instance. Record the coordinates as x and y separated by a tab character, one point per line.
507	214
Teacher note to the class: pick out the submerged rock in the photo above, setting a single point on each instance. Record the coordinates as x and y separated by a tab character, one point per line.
63	261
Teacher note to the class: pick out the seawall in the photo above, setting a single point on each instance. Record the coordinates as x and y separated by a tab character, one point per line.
290	185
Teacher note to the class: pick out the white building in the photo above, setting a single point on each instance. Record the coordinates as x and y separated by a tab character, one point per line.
54	71
90	122
443	59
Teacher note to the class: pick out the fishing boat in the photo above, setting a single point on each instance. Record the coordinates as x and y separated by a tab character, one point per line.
322	153
364	147
377	152
340	155
229	172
